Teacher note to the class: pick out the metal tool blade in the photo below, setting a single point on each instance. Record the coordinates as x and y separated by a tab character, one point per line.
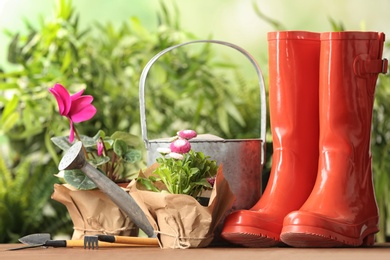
74	159
35	239
32	241
23	247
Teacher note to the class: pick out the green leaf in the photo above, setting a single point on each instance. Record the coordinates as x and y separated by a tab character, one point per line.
223	119
120	147
66	61
137	27
129	139
13	50
336	26
274	23
133	156
203	183
7	85
99	160
118	170
79	180
99	134
148	184
10	121
62	142
10	107
233	112
32	42
88	141
194	172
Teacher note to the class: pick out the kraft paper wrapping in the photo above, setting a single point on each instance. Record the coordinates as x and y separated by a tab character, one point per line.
182	222
93	212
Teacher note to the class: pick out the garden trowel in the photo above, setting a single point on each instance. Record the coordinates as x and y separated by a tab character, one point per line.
74	159
43	239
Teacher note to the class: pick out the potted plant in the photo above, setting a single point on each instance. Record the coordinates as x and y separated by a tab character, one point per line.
169	191
92	212
182	170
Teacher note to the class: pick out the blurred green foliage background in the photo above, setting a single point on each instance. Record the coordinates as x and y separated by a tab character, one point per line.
103	45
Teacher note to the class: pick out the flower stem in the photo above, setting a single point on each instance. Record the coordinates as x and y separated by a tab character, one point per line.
104	147
78	137
112	168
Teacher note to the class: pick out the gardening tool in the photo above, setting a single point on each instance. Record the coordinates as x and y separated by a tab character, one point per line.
293	99
242	159
43	239
74	159
341	210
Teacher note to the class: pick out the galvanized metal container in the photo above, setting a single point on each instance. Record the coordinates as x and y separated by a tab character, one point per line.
242	159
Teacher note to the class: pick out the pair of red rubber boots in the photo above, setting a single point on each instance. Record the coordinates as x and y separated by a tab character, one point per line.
320	191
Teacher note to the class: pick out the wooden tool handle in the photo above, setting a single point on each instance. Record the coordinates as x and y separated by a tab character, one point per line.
129	240
74	243
137	240
80	243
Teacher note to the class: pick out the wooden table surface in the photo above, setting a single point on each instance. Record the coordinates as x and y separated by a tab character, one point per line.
378	252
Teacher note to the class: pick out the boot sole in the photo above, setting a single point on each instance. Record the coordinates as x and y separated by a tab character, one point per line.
304	236
250	237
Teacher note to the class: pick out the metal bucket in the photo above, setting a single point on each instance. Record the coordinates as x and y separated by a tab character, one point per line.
242	159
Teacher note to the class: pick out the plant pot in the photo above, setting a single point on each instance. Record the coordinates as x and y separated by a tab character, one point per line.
93	212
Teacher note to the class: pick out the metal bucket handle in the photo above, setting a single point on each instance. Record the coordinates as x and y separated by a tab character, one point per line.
263	108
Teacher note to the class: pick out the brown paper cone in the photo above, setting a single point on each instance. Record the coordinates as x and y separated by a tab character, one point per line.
182	222
93	212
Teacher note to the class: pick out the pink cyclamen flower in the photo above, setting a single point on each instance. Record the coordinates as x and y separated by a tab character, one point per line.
77	108
187	134
180	146
100	148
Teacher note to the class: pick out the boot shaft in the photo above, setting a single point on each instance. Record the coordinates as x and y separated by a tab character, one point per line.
293	100
349	66
293	87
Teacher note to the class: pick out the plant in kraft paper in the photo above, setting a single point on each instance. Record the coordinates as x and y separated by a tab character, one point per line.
168	191
116	156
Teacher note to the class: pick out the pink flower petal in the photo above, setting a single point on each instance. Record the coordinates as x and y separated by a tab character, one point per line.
63	92
77	95
63	98
83	115
211	180
82	109
99	146
80	102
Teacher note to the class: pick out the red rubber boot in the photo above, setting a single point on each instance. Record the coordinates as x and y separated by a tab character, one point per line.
293	99
342	210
